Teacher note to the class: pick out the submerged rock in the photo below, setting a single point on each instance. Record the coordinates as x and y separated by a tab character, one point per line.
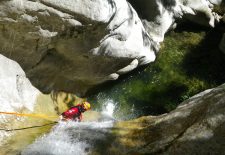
197	126
73	45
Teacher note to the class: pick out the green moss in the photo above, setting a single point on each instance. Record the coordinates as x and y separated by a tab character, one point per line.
188	63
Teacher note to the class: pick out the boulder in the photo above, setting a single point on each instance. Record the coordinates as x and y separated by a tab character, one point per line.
161	15
197	126
73	45
16	91
16	94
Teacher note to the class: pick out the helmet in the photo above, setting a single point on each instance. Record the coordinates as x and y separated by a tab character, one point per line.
86	105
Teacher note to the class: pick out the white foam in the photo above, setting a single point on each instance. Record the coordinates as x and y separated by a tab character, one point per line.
109	107
70	138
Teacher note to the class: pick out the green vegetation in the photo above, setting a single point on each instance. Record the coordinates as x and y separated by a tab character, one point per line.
188	63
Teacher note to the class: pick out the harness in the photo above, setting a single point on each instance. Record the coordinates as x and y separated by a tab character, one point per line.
80	110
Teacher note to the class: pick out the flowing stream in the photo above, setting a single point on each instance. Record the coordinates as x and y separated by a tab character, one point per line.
72	138
153	90
46	137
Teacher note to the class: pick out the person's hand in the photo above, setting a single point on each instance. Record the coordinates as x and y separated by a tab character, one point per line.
61	118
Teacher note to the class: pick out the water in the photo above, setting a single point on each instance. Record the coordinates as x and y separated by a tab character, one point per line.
71	138
109	107
76	138
111	103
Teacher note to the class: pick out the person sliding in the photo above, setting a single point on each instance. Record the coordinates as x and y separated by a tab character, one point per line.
75	113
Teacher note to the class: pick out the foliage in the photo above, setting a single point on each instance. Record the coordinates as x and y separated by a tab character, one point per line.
188	63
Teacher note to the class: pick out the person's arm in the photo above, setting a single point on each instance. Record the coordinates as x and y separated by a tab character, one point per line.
65	114
80	118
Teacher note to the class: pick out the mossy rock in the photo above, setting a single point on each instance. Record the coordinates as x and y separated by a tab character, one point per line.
189	62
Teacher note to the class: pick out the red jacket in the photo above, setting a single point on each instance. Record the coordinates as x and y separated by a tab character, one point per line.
74	113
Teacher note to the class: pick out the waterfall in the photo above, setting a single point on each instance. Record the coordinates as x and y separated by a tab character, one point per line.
71	138
108	108
76	138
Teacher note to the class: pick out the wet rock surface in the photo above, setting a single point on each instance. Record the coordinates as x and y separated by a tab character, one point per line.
76	45
196	127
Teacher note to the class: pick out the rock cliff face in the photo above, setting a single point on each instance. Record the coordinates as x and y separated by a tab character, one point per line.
197	126
161	15
73	45
16	93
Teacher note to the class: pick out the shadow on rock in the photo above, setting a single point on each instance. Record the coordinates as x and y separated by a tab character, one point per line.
207	61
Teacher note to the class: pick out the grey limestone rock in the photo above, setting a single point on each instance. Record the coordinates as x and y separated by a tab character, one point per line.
161	15
73	45
196	126
16	91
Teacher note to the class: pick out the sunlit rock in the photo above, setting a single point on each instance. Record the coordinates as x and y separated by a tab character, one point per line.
73	45
16	93
197	126
161	15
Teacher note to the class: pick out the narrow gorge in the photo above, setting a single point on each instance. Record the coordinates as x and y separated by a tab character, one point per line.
153	71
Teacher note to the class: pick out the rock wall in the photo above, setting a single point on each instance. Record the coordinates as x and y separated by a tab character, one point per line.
161	15
73	45
16	94
197	126
16	91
